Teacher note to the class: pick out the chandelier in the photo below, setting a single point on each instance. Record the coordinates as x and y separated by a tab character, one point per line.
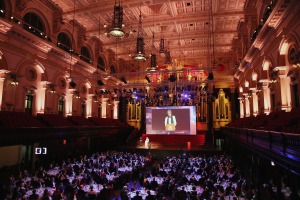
116	30
162	46
140	50
168	57
153	62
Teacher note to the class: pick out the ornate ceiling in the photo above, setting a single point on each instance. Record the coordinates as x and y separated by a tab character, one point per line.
185	25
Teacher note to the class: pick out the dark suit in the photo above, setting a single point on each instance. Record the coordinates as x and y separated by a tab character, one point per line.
34	197
150	197
137	198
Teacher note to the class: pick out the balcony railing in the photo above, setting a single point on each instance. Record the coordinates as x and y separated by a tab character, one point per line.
283	147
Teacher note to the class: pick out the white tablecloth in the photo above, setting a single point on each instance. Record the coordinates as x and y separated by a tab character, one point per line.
40	191
97	188
189	188
142	193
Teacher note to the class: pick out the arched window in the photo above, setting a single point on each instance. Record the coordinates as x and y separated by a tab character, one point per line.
113	69
64	42
101	64
34	24
85	54
2	9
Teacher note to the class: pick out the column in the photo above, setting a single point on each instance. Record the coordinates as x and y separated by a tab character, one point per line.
40	98
115	109
247	107
69	102
122	106
241	107
103	107
1	90
266	96
210	116
89	103
285	90
232	103
255	103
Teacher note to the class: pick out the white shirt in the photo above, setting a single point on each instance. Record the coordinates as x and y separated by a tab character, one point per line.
168	120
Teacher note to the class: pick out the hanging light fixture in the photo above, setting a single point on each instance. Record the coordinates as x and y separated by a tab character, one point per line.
162	46
211	47
168	57
72	84
140	50
162	43
153	62
116	30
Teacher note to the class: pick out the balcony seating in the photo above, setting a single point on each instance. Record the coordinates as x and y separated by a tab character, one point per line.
22	119
55	120
107	122
19	119
279	121
80	121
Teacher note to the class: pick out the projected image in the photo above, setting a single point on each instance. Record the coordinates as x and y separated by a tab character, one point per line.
171	120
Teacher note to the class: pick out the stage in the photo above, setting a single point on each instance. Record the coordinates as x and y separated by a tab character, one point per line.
165	144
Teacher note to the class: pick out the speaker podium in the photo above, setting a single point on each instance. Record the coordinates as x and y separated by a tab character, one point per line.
170	127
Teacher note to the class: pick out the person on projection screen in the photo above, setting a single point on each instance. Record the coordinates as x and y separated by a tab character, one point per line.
170	121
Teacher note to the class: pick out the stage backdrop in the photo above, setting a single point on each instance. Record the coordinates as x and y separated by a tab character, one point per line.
185	118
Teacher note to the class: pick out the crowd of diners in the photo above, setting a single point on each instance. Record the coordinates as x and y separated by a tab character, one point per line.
123	175
82	178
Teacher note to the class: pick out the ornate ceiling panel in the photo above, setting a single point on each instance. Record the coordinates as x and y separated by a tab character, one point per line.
184	24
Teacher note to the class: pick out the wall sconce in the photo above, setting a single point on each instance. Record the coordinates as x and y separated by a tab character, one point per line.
76	94
73	84
52	88
95	99
13	77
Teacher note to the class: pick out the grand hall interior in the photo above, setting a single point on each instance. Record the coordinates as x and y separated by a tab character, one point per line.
149	99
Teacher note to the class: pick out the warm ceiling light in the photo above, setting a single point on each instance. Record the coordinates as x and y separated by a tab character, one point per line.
153	61
116	29
140	57
168	58
162	46
140	50
152	69
116	32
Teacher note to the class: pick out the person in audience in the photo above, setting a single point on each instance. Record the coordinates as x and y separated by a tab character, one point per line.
92	194
81	192
46	195
105	193
137	196
74	195
153	184
57	194
124	193
149	196
193	194
181	194
23	189
33	196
